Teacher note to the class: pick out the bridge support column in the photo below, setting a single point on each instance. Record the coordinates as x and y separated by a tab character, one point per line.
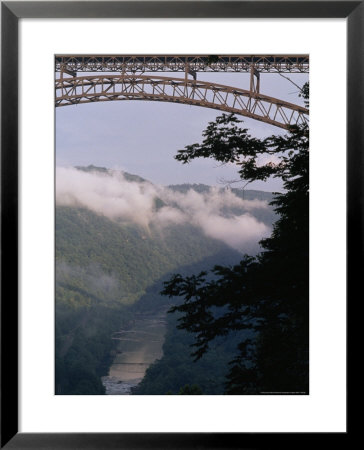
189	72
254	80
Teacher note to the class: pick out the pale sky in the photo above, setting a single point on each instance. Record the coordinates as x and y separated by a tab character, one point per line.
142	137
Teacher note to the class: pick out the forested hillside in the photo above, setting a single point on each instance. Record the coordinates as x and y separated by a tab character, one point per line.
107	268
176	369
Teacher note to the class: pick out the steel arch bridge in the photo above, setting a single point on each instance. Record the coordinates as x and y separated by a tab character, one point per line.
128	85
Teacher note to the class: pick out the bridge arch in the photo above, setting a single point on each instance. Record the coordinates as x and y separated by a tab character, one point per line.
88	89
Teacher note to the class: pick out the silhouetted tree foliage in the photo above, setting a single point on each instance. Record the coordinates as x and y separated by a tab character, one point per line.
267	294
190	390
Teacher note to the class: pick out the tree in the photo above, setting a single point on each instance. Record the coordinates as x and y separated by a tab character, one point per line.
265	298
194	389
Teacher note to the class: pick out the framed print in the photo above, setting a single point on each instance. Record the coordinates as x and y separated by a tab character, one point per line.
125	217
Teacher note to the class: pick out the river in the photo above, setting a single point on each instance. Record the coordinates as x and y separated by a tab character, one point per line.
140	345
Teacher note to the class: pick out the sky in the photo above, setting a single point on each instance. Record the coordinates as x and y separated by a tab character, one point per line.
142	137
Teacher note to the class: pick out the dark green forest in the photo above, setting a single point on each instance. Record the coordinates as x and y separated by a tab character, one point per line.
177	369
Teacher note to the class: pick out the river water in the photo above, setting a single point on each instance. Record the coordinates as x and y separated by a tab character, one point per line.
140	345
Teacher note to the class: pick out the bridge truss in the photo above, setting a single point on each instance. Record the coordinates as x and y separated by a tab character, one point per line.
163	63
133	84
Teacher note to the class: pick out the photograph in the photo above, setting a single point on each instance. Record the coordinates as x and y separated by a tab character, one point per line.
181	224
181	207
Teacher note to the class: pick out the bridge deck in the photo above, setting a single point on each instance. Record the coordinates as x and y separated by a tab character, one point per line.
181	63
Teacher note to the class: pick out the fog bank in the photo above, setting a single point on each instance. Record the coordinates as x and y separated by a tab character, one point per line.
219	213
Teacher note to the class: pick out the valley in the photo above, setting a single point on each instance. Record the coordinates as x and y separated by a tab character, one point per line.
112	326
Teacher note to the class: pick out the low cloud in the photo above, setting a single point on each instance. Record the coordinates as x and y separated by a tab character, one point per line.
219	213
89	278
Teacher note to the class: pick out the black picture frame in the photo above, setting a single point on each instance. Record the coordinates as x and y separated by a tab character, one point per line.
11	12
